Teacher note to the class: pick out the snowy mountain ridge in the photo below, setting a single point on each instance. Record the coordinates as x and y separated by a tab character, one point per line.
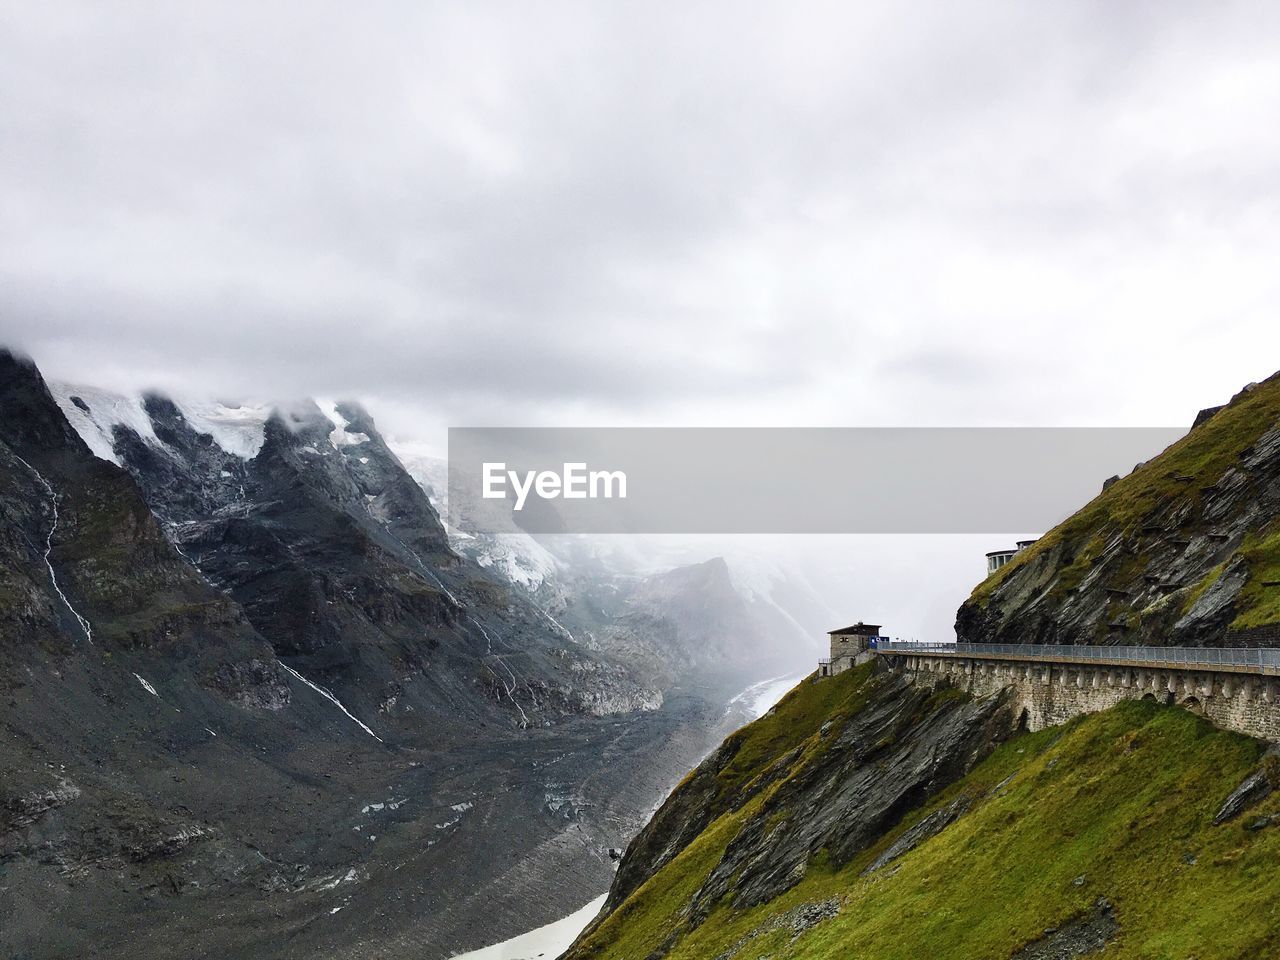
94	413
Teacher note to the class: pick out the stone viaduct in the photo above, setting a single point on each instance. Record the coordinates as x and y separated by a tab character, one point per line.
1235	688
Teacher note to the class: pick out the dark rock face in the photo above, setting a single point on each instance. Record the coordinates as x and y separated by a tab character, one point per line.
253	683
1085	935
676	824
1204	415
798	920
930	826
893	756
1254	789
119	584
1166	556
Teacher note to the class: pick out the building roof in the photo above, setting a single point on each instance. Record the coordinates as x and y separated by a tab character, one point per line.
1000	553
859	629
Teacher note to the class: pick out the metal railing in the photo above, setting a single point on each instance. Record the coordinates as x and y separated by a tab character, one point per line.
1260	659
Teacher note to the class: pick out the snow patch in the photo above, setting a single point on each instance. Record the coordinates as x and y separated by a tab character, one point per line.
106	409
239	429
518	557
460	809
48	549
384	805
146	686
548	941
759	698
351	876
339	436
328	696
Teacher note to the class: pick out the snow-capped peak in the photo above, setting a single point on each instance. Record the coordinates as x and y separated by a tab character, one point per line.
93	413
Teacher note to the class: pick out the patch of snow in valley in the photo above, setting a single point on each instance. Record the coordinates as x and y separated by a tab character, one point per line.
545	942
759	698
328	883
461	810
385	805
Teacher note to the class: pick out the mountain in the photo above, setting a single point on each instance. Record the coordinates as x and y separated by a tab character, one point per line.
885	815
254	703
719	622
1184	551
336	555
690	619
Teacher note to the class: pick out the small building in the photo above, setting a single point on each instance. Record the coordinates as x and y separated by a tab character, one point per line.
997	559
849	647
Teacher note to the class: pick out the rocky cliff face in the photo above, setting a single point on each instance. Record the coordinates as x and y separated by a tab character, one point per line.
1185	551
86	564
882	751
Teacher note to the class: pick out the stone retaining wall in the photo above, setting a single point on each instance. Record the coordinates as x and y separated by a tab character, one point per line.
1052	693
1268	636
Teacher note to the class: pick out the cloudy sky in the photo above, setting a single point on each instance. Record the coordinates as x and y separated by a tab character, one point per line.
649	213
687	213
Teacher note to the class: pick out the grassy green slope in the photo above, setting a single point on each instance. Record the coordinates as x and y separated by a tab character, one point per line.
1178	474
1123	799
646	918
